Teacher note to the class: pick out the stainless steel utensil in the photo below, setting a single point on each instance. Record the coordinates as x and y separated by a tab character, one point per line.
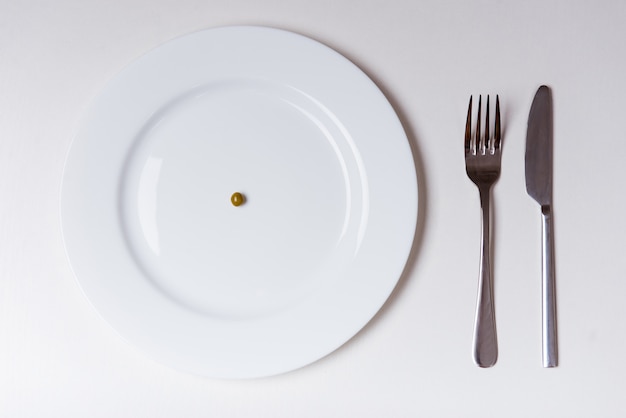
482	163
539	187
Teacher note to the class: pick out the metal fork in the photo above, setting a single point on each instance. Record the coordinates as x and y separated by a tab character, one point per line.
482	163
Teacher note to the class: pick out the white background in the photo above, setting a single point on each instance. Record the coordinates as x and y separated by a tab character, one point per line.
59	359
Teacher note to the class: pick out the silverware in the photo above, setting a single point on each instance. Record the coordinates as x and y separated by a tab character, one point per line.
482	163
539	187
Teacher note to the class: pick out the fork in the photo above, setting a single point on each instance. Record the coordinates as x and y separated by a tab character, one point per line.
482	163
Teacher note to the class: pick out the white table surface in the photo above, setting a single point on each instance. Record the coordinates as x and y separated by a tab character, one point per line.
58	358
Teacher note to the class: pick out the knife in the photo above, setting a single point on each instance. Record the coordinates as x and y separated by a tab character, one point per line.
539	186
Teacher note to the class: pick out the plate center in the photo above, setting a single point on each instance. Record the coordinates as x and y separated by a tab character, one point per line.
305	193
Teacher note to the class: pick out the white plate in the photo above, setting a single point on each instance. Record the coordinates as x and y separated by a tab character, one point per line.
271	285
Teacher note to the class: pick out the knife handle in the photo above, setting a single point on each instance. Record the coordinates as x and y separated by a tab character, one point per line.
485	337
548	291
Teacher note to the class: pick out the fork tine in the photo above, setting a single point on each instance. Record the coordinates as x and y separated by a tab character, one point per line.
480	145
468	127
497	128
488	142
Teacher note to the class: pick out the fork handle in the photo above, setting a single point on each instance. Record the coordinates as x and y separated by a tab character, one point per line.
548	291
485	337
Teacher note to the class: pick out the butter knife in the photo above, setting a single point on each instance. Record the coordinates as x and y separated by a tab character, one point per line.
539	186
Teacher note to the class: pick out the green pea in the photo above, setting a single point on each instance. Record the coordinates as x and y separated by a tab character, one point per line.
237	199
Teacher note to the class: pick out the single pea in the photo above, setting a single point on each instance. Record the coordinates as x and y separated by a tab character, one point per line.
237	199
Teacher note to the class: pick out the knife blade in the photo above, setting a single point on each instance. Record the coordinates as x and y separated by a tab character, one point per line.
538	159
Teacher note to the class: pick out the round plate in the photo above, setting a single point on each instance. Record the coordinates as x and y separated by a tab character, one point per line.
279	281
